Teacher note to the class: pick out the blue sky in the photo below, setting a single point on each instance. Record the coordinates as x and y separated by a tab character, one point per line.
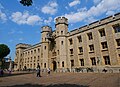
21	24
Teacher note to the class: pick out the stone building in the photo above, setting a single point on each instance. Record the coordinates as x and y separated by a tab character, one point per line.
95	45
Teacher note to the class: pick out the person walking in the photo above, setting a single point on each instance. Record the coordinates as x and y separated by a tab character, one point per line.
48	71
38	70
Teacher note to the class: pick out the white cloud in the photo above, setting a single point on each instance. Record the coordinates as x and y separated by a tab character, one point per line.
110	13
25	18
75	2
50	8
48	21
97	1
104	7
3	16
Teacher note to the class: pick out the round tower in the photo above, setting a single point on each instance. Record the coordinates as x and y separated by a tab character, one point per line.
45	46
61	26
61	42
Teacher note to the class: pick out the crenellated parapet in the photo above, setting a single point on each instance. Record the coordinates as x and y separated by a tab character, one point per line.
23	46
61	20
46	29
95	24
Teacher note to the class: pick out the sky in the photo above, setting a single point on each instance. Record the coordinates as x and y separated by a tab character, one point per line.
22	24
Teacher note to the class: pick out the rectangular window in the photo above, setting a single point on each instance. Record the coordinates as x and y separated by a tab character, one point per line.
104	45
91	47
44	65
38	50
118	42
116	28
80	50
102	32
93	61
90	36
79	39
82	62
63	64
71	42
72	63
71	51
106	60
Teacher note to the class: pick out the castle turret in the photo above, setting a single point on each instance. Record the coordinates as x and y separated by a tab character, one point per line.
61	42
44	47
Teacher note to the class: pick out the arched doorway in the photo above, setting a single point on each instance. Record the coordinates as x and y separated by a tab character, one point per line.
54	65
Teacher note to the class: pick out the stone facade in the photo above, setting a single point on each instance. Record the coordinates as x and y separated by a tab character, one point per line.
96	45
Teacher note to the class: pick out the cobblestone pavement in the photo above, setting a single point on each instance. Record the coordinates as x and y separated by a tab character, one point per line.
68	79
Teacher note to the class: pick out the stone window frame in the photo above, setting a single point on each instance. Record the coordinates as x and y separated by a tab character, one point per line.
82	62
93	61
90	37
116	28
102	32
79	38
107	60
91	47
104	45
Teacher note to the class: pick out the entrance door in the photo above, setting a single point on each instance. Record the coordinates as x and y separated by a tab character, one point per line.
54	66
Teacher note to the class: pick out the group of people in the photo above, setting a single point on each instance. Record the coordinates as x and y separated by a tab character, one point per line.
38	71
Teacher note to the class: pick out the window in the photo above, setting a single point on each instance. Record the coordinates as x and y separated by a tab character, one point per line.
71	42
71	51
102	32
61	32
107	60
45	47
63	64
38	57
118	42
116	28
72	63
91	47
80	49
79	39
82	62
34	51
31	52
61	42
90	36
104	45
93	61
38	50
58	52
44	65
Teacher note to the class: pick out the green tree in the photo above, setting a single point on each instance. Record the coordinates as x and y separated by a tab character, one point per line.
4	51
26	2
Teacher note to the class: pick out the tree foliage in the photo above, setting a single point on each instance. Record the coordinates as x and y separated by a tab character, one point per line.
4	50
26	2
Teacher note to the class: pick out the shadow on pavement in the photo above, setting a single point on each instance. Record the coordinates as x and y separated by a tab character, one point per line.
15	74
52	85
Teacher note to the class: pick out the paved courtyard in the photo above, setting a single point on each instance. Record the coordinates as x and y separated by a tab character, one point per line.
62	80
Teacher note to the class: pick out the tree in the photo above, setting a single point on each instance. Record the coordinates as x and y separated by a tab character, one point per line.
4	51
26	2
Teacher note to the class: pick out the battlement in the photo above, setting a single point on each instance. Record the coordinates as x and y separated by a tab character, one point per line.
46	29
96	24
61	20
22	45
